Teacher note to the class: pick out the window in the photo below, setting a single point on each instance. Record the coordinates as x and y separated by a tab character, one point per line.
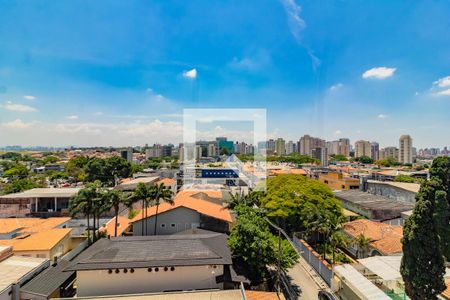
163	225
172	225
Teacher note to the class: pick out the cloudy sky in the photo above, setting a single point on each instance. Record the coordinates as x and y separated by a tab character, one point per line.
87	73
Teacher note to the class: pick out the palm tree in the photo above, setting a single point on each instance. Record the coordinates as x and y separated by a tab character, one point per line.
362	244
113	199
82	202
161	193
144	194
338	239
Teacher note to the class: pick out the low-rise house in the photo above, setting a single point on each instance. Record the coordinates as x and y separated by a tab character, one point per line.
397	191
191	209
44	244
381	238
339	181
41	202
132	265
17	270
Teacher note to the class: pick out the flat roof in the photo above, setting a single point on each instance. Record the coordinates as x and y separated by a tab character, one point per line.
373	202
385	267
156	251
15	268
359	284
132	183
407	186
44	193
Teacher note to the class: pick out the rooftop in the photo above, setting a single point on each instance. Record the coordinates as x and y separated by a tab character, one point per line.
381	208
206	202
407	186
41	241
386	238
156	251
14	268
30	225
43	193
131	184
198	295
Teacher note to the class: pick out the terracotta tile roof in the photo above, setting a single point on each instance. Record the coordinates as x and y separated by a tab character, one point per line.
30	225
200	201
260	295
446	293
386	238
289	171
122	225
44	240
166	181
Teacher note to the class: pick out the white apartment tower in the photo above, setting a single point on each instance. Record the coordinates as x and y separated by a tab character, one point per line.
405	149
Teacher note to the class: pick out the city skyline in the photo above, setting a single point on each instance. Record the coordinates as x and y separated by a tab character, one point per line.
103	80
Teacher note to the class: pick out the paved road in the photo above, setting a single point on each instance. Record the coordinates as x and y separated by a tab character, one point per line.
307	286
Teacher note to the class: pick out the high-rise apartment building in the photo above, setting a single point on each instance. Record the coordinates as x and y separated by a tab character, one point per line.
211	150
280	146
405	150
375	151
389	152
321	154
198	152
344	147
270	147
290	147
307	143
127	154
362	148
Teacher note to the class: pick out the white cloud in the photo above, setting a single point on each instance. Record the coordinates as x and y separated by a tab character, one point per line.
16	124
382	116
98	113
296	26
192	74
336	86
72	117
149	90
442	82
29	97
416	94
379	73
338	132
18	107
443	93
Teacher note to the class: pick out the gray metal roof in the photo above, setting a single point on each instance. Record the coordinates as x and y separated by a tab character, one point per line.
373	202
43	193
156	251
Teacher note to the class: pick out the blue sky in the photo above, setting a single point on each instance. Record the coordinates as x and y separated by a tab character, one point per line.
120	72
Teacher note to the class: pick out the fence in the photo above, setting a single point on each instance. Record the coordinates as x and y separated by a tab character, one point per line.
322	267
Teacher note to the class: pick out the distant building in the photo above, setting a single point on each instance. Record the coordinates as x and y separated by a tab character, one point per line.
212	150
405	150
320	154
337	181
362	148
270	147
290	148
225	146
280	147
341	147
308	143
127	154
198	152
375	151
389	152
155	151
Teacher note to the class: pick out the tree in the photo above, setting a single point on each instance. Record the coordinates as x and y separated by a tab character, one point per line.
145	194
82	203
50	159
15	170
160	193
298	203
338	157
113	199
422	266
75	167
364	159
254	247
20	185
249	200
337	239
107	170
362	243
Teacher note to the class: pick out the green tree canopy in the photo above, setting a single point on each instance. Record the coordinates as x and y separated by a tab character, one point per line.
254	247
338	157
300	203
